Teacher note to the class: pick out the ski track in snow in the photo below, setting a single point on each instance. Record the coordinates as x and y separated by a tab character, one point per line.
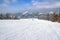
29	29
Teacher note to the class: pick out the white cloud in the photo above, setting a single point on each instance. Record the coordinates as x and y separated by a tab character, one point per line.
45	4
5	3
4	6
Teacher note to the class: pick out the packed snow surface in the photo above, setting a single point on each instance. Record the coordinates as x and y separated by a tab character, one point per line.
29	29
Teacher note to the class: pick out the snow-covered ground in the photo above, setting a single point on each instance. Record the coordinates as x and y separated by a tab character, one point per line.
29	29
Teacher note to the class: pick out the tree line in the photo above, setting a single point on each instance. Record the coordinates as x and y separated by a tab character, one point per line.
56	17
7	16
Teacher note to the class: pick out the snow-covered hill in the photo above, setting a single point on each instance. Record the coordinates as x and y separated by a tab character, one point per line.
29	29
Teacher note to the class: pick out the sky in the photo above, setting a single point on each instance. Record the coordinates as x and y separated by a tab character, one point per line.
21	5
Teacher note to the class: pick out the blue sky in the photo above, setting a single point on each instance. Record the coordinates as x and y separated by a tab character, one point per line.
21	5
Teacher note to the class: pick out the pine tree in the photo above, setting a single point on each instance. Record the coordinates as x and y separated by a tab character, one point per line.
54	17
59	17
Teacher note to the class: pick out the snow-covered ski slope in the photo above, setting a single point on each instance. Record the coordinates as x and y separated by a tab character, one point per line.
29	29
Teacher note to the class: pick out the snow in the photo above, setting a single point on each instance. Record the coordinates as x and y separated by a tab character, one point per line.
29	29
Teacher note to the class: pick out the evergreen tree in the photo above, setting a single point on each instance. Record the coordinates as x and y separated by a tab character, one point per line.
54	17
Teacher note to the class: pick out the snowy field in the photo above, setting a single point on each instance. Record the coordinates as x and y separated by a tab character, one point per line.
29	29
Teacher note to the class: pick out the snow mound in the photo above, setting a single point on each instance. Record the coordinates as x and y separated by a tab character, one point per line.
29	29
